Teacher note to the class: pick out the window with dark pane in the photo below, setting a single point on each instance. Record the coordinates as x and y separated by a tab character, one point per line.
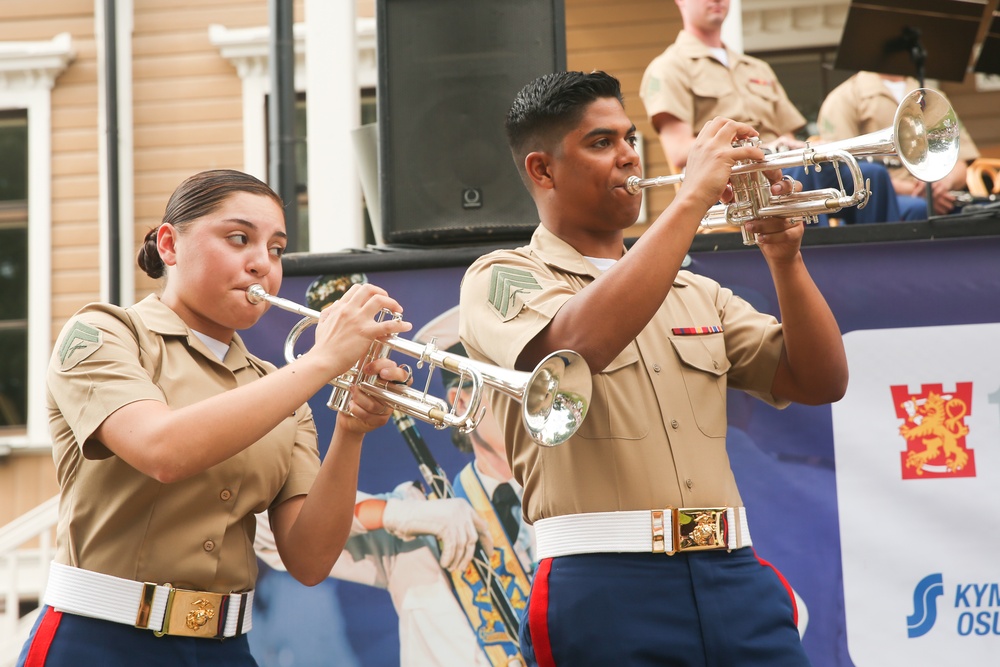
13	269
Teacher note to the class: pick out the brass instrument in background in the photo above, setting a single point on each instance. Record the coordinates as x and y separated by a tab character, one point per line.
924	135
554	397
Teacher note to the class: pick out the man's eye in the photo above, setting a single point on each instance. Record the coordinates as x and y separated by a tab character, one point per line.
632	140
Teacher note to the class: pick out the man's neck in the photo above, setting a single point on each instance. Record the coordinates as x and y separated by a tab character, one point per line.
710	38
607	244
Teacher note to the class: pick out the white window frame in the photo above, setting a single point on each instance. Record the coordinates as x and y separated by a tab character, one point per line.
335	213
28	71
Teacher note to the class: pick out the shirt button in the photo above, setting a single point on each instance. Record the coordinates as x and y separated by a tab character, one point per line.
688	483
674	423
226	494
656	368
209	545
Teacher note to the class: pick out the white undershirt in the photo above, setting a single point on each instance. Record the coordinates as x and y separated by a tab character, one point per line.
602	263
218	348
720	55
897	88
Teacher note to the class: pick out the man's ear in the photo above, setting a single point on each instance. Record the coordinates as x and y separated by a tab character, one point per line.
536	164
166	243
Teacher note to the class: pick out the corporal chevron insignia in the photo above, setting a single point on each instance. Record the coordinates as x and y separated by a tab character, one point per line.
80	337
507	282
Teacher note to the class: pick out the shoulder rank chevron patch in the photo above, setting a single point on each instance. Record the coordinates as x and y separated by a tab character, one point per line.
506	282
81	336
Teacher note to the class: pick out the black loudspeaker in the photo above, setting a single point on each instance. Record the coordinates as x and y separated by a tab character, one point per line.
448	71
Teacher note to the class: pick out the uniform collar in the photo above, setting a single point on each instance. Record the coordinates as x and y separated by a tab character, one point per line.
695	49
160	319
558	253
555	252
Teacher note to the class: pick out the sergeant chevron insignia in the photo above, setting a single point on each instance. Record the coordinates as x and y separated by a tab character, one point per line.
506	282
80	337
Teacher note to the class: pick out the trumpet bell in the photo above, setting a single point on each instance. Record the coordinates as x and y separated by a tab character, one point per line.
552	413
926	135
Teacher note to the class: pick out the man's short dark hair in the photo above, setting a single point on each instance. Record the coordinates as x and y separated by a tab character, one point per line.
550	106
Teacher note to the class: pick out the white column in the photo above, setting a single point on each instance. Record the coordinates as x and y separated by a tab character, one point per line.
732	27
333	109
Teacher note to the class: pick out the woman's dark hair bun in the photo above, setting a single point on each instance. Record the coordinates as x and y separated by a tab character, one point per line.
149	257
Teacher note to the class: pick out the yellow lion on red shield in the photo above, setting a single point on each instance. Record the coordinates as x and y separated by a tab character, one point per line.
937	425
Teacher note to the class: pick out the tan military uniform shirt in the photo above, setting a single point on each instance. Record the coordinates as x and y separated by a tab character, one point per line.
655	433
864	104
197	533
687	82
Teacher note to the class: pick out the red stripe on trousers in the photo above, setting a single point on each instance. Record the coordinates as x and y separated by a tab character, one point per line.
538	615
788	587
42	640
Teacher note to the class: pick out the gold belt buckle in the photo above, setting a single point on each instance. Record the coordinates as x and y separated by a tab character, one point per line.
700	528
194	614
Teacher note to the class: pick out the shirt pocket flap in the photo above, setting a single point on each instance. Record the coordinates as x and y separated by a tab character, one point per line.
626	357
711	87
704	353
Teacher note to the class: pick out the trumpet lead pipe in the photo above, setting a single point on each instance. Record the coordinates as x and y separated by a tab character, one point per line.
256	294
634	184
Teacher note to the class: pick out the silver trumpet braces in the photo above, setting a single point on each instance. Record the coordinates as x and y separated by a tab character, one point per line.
924	135
554	397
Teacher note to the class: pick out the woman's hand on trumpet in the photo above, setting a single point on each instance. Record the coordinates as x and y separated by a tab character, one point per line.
347	327
365	412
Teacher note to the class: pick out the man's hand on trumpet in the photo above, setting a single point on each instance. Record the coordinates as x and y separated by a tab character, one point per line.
720	145
779	237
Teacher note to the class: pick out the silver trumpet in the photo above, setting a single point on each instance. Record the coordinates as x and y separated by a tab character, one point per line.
554	397
924	135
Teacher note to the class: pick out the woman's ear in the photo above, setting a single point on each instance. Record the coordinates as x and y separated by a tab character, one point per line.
166	243
537	166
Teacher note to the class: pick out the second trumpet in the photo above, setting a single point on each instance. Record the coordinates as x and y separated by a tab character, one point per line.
554	397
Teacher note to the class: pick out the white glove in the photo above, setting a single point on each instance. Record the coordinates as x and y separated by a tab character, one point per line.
452	520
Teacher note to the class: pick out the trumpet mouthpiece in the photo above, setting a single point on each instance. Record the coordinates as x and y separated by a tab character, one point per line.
256	294
632	185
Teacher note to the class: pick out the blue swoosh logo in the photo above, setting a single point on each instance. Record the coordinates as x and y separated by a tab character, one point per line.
924	613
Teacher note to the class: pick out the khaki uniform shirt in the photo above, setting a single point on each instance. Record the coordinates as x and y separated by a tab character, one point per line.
655	433
197	533
864	104
687	82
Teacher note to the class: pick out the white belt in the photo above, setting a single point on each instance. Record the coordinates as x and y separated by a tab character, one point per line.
668	531
158	607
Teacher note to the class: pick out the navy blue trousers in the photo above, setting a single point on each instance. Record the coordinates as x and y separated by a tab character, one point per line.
67	640
700	609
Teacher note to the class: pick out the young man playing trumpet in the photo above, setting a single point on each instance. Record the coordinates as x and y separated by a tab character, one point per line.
664	345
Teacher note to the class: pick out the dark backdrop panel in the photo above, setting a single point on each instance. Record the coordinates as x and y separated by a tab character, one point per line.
448	72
